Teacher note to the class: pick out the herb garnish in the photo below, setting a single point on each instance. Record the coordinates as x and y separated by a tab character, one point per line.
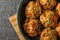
52	35
48	22
48	2
38	29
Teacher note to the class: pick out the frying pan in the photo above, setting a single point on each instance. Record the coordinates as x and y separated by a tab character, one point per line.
21	18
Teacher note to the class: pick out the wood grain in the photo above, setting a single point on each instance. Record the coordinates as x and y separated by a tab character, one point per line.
13	21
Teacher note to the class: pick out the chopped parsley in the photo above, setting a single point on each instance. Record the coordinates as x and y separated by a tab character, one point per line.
48	2
37	29
52	35
48	22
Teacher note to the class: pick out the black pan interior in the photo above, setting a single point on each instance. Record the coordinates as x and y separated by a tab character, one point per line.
21	18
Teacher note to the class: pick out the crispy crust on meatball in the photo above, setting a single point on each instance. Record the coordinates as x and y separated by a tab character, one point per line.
48	4
48	34
30	26
33	10
58	9
49	19
58	29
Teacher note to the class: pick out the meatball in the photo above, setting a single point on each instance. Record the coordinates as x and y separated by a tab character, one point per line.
58	29
48	34
58	9
48	4
49	19
33	10
32	27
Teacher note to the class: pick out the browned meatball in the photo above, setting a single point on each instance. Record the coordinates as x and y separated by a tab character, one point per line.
49	19
32	27
58	29
58	9
48	4
33	10
48	34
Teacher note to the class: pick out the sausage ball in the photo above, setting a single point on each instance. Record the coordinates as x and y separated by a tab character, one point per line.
33	10
48	4
58	9
58	29
32	27
48	34
48	19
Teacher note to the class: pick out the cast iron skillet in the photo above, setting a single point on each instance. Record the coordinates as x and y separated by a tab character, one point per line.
21	18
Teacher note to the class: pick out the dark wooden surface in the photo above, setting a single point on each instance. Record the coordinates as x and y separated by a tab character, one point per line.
7	8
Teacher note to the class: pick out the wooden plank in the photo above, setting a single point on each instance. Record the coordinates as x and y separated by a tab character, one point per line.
13	21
